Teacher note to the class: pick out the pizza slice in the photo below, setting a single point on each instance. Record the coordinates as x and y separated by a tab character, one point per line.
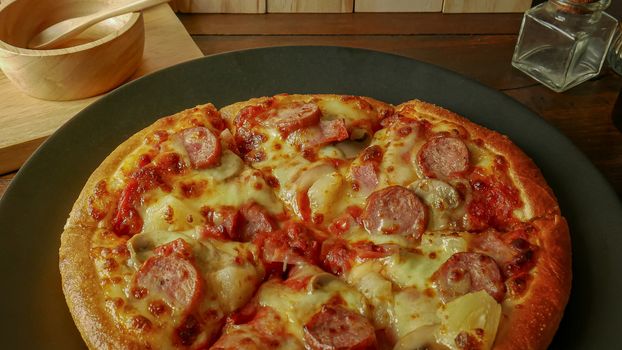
310	309
303	145
449	215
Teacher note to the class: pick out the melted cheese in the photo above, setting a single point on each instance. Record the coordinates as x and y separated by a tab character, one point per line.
171	211
396	291
471	313
357	234
231	272
338	109
414	269
367	278
408	269
414	309
395	168
300	304
324	192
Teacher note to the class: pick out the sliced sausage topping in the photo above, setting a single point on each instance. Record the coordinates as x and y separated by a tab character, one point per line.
127	220
443	157
333	130
464	273
335	327
293	244
511	250
395	210
203	147
296	116
365	176
337	257
173	277
256	220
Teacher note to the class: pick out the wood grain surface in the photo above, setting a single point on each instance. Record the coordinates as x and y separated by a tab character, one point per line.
93	62
315	6
398	6
220	6
468	6
26	121
478	46
345	25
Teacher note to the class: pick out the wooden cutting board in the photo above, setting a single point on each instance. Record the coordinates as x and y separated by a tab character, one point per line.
25	121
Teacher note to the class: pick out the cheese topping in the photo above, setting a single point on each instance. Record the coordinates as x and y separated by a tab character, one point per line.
298	305
474	315
321	174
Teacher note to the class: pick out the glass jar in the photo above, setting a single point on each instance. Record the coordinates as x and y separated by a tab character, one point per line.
563	43
614	57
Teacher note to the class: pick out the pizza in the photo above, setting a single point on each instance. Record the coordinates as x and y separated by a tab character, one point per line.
316	222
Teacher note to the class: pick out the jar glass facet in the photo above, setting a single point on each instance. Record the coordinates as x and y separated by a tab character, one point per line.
560	48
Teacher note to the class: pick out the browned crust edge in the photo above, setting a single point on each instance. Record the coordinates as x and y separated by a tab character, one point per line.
80	281
533	324
84	296
535	318
79	216
230	112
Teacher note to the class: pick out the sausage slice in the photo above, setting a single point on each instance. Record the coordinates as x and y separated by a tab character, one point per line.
335	327
395	210
173	277
443	157
202	146
464	273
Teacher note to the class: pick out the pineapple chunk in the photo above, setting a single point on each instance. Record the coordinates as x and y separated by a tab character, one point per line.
333	109
323	192
367	279
407	269
449	245
421	338
471	315
169	213
414	310
230	165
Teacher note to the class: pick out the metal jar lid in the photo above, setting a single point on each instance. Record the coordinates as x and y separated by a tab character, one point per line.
575	6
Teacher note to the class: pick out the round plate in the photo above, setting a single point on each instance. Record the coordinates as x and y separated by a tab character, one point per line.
36	205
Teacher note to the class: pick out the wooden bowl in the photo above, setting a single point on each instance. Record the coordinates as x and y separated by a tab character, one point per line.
98	60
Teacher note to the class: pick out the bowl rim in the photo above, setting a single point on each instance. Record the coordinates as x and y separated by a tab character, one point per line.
131	22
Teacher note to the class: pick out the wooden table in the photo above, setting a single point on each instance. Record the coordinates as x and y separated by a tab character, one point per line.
479	46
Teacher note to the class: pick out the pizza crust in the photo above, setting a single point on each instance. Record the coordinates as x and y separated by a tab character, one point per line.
536	316
230	112
84	295
79	276
79	215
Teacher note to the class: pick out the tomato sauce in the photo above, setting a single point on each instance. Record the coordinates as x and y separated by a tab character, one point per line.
337	257
493	203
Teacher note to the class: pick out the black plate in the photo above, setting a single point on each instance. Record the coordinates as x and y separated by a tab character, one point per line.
34	208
